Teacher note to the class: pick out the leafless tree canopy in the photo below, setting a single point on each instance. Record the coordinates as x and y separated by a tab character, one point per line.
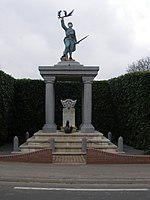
140	66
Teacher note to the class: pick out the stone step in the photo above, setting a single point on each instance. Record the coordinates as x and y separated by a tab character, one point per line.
62	135
64	148
79	150
67	142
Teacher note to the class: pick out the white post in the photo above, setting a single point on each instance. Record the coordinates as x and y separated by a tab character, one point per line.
120	144
16	144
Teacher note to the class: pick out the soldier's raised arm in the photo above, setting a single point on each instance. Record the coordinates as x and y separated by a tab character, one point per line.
63	24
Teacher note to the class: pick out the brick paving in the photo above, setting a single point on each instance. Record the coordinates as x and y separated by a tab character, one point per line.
69	159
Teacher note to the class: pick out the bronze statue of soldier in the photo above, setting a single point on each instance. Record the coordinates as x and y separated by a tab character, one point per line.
70	40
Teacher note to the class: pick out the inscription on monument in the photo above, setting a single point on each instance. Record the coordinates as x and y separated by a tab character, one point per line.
68	111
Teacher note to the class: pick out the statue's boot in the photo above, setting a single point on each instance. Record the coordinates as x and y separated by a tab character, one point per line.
71	59
64	58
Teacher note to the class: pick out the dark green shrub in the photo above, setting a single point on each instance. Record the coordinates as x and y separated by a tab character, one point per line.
28	114
6	105
103	111
131	100
120	105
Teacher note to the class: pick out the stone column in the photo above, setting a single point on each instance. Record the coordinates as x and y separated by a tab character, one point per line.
82	103
50	126
87	127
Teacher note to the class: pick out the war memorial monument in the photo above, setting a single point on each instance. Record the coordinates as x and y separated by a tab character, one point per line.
68	70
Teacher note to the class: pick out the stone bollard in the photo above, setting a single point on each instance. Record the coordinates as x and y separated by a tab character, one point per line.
120	144
27	135
15	144
52	144
110	136
84	144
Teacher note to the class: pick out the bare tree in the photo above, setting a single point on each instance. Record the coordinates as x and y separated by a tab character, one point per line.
140	66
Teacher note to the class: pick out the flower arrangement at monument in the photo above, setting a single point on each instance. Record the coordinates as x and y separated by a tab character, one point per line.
74	129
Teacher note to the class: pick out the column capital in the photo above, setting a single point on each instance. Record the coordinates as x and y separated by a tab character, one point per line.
50	79
87	79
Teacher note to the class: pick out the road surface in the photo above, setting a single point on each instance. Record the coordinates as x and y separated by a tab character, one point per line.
40	191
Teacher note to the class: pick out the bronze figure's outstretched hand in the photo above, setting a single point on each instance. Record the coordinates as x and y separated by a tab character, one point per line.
65	14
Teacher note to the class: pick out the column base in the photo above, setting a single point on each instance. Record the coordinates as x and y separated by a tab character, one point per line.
49	128
80	126
87	128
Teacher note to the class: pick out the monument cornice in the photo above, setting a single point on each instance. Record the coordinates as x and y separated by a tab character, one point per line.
71	71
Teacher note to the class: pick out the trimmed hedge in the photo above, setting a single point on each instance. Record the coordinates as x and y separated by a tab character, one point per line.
120	105
131	101
6	105
103	111
28	113
29	109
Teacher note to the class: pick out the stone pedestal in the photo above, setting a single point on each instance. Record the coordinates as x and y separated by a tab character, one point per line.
68	111
69	115
69	71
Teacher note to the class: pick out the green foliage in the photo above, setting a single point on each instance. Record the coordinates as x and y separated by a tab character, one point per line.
6	105
131	101
120	105
28	114
103	112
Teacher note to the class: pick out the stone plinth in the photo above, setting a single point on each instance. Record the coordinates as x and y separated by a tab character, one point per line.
68	143
69	115
68	111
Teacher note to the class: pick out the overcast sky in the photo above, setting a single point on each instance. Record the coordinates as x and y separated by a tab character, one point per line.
31	35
